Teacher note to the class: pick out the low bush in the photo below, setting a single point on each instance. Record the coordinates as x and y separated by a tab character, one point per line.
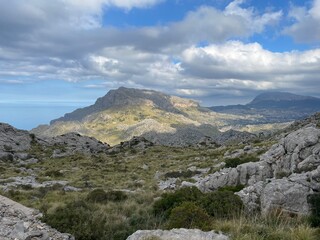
53	173
183	174
232	188
100	196
234	162
77	218
314	202
174	199
189	215
222	204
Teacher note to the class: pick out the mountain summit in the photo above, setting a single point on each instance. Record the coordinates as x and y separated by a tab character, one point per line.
127	112
123	97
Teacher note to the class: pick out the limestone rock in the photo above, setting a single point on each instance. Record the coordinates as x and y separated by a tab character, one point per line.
13	140
282	179
136	143
177	234
22	223
71	143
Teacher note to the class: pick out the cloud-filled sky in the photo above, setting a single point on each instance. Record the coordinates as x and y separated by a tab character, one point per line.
56	56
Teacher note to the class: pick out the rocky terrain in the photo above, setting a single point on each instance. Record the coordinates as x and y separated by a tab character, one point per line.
282	179
112	191
18	222
274	107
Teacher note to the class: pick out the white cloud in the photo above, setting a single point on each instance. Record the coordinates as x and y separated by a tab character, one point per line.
65	40
254	22
306	28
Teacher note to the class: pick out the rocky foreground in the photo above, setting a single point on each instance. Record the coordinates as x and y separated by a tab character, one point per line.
18	222
283	178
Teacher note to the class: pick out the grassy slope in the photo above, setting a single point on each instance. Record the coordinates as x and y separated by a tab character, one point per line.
116	220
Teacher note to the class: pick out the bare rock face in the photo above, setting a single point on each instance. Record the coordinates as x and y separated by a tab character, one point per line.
136	143
176	234
15	144
18	222
13	141
282	179
74	142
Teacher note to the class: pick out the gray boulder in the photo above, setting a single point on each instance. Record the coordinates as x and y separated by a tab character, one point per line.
176	234
282	179
13	140
22	223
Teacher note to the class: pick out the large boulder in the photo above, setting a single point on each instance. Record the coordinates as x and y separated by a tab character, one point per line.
282	179
20	222
71	143
13	140
177	234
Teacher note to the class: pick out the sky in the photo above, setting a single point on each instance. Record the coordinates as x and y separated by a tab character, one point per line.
56	56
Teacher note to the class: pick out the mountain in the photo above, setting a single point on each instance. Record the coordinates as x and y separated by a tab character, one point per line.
275	107
124	97
125	112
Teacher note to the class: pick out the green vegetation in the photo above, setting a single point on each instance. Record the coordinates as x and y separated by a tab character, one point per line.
169	201
234	162
189	215
119	196
100	196
314	201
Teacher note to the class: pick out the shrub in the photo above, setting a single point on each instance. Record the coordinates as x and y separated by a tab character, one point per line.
184	174
234	162
100	196
53	173
171	200
222	204
314	203
188	215
78	219
232	188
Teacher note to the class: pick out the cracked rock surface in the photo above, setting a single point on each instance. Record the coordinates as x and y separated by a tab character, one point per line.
282	179
18	222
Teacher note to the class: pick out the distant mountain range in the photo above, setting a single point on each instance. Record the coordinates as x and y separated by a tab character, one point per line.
275	107
125	112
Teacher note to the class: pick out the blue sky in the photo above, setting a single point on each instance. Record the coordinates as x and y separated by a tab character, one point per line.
61	55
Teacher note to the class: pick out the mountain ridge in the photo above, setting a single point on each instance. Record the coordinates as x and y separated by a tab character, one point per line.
124	97
275	107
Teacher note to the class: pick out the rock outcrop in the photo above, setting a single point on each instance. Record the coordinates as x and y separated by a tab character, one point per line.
233	136
72	143
13	142
177	234
16	144
136	143
18	222
282	179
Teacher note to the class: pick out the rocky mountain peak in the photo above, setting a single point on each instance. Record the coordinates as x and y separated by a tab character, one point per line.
123	97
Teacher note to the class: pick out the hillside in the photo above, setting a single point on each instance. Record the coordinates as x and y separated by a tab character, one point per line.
275	107
124	113
94	191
